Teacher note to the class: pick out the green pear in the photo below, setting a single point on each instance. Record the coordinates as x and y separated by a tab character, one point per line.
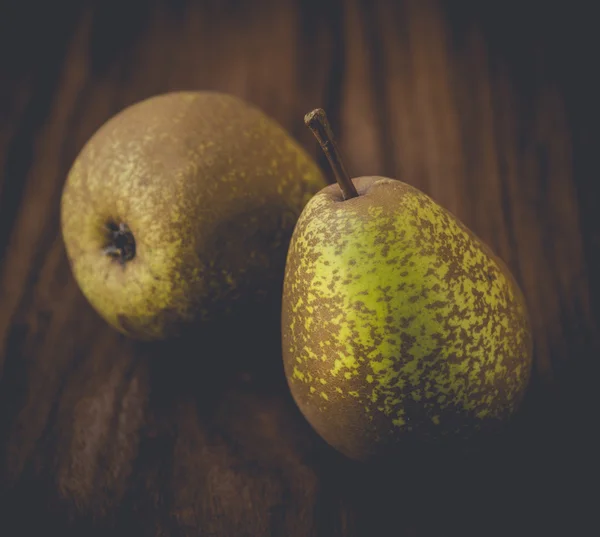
180	207
399	325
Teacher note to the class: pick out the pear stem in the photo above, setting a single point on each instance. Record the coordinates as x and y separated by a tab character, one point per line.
317	122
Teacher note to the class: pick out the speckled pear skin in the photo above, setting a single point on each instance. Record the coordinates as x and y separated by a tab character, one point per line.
398	323
211	189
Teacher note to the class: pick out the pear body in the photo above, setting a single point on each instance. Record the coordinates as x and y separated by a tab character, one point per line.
210	189
398	323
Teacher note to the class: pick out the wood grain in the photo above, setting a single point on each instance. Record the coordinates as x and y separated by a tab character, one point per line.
491	110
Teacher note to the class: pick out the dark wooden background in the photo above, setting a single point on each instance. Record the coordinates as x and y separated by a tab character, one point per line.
490	107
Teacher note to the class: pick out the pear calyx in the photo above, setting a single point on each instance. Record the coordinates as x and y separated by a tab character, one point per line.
120	242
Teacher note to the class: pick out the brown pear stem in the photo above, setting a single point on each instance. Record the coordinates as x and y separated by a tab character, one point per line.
317	122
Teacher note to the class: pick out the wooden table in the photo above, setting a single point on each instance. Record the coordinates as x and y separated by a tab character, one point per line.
492	110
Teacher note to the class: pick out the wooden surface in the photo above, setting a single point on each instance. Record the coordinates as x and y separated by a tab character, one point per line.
493	112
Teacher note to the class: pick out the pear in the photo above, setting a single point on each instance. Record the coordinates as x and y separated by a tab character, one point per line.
399	325
181	207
